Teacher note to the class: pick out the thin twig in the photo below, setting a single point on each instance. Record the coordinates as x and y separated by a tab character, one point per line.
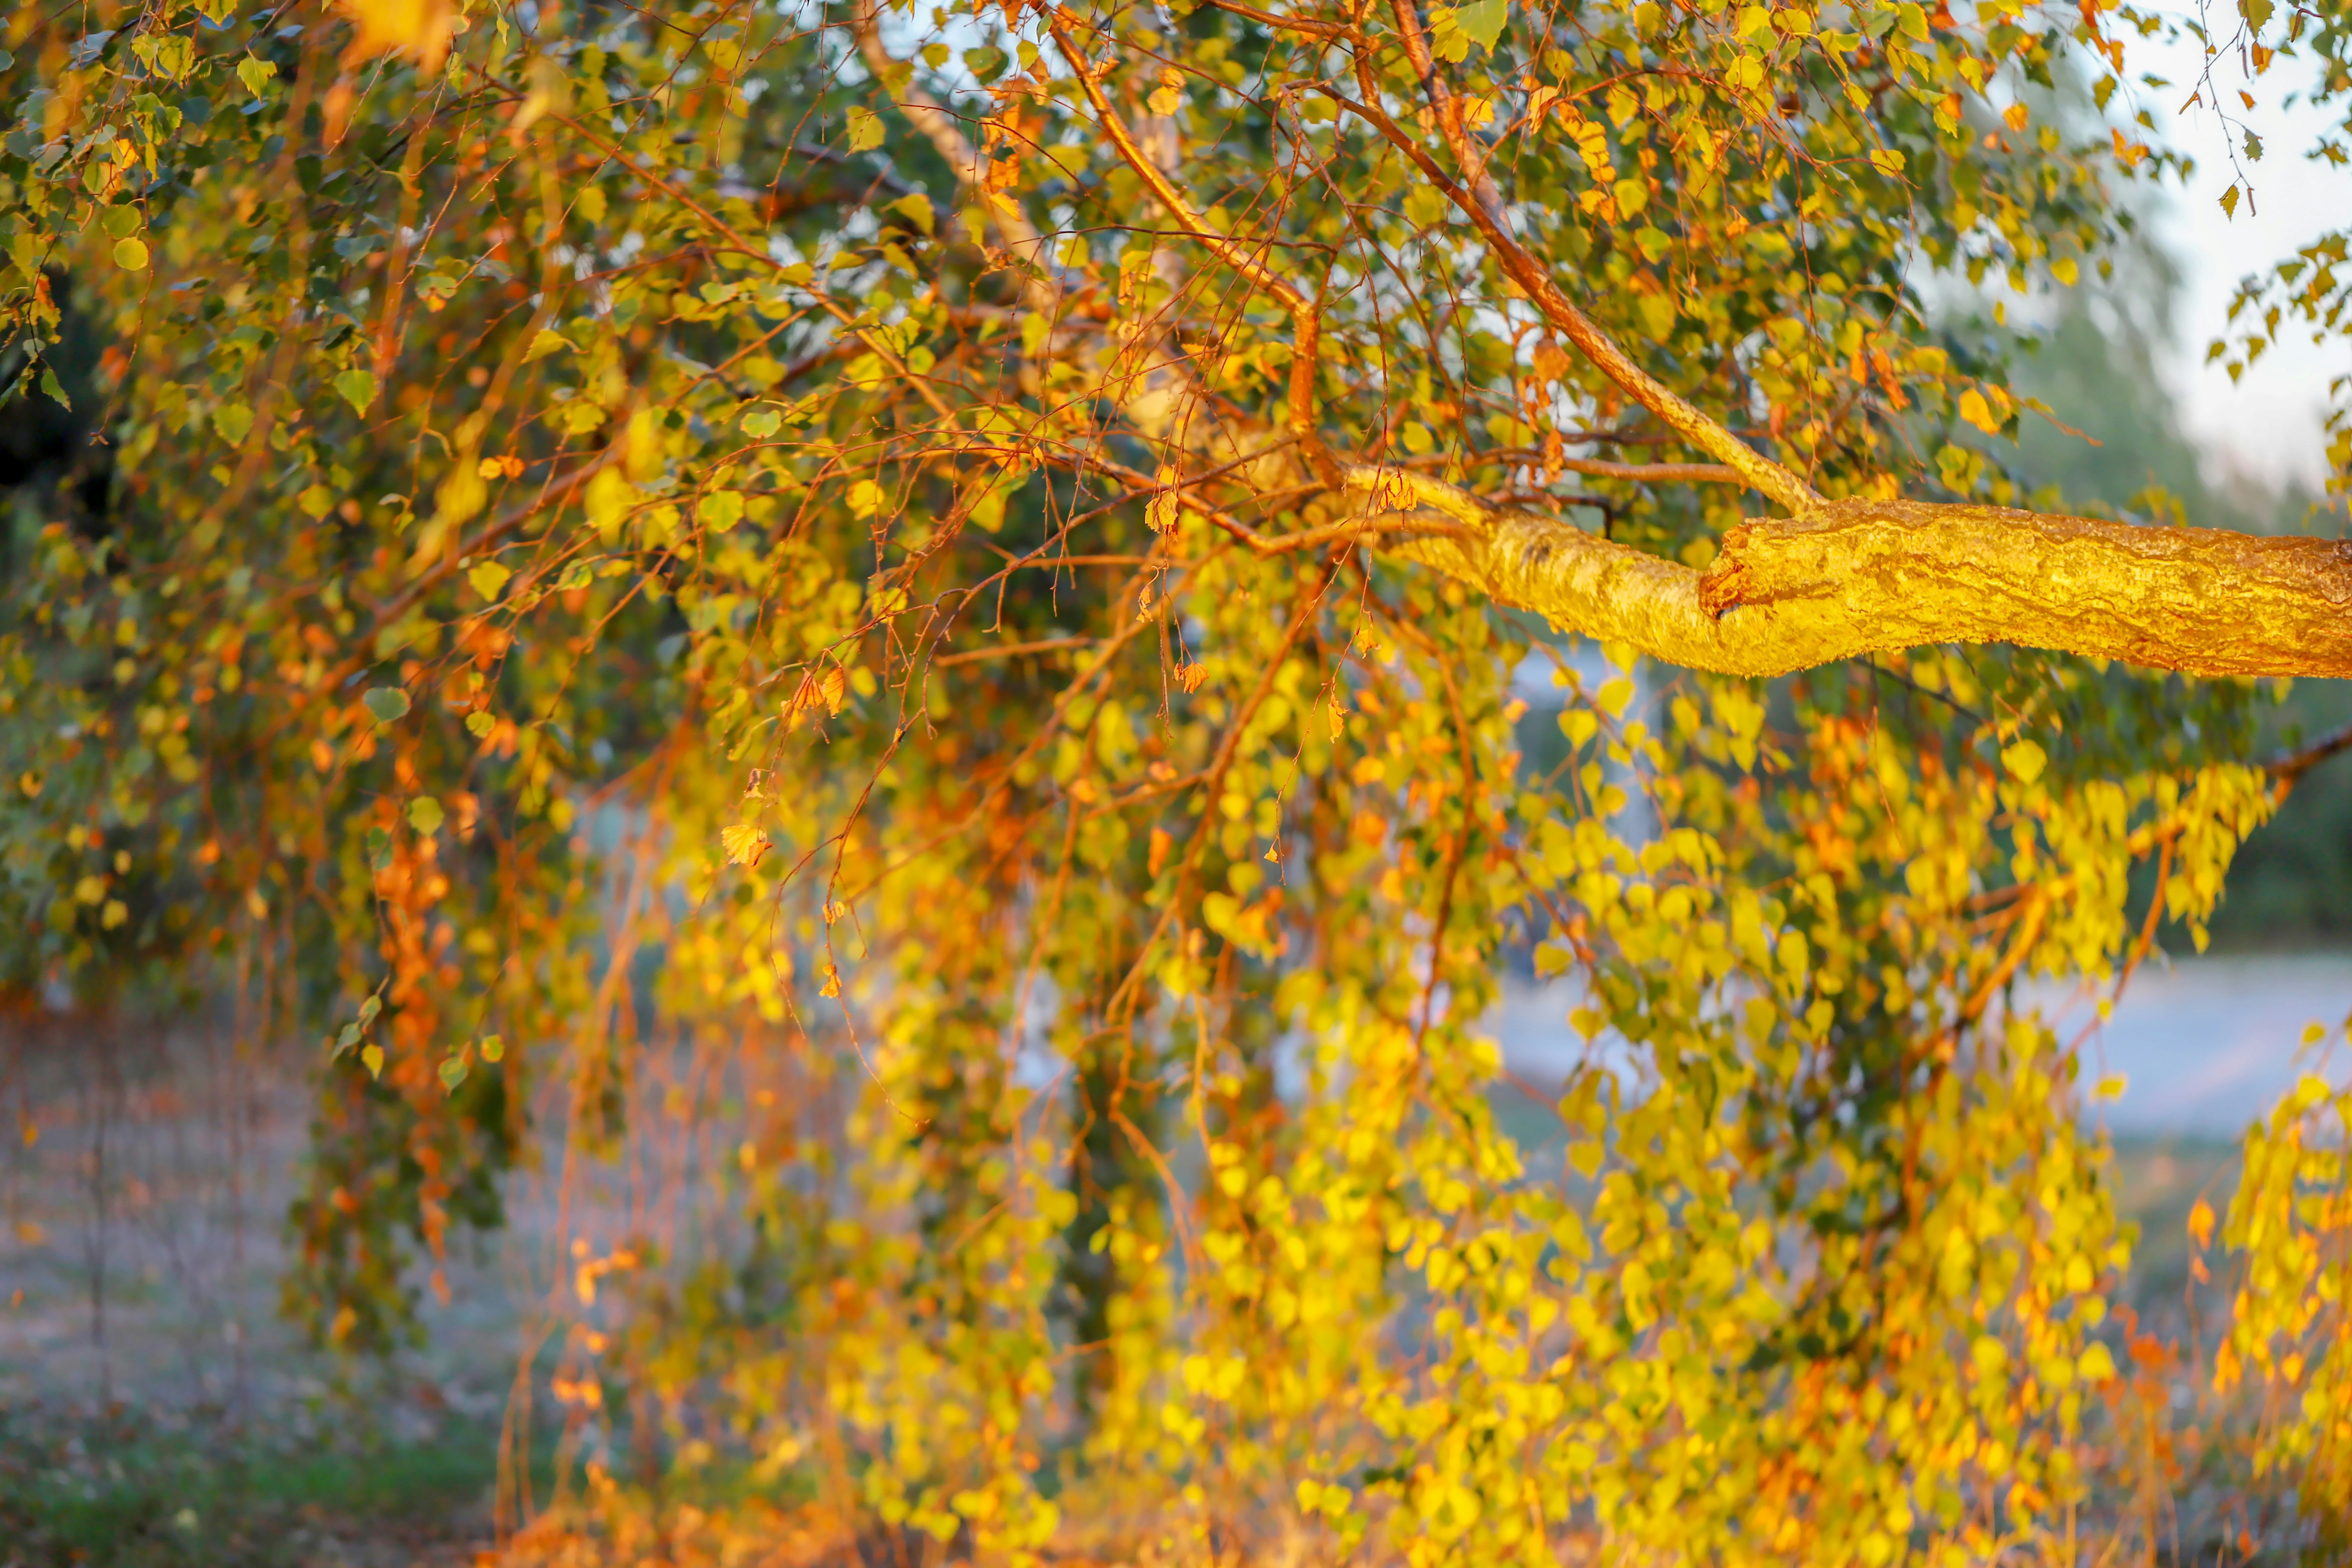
2289	769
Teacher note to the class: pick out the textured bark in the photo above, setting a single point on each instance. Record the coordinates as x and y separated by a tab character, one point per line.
1860	577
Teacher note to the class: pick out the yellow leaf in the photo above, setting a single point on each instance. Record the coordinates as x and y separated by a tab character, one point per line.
608	499
2201	1222
2024	760
488	577
1977	412
420	28
743	843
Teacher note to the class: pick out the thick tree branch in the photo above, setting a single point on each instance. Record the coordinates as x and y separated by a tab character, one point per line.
1860	577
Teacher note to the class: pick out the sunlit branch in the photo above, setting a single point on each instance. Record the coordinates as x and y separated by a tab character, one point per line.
1868	577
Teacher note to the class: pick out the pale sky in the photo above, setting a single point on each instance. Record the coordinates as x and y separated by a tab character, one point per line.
2269	422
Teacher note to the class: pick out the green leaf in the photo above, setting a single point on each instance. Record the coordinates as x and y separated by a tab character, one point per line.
761	422
453	1073
379	857
865	130
426	815
494	1048
479	724
2255	11
720	510
386	702
254	74
1482	20
488	577
358	388
233	421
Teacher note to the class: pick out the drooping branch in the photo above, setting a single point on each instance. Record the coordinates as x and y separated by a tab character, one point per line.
1868	577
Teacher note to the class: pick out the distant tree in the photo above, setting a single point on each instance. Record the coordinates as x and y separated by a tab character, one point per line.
973	562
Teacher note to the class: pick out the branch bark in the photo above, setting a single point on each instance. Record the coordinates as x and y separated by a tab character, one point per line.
1858	577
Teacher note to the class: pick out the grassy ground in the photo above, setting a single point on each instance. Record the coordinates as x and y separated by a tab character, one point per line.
125	1491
